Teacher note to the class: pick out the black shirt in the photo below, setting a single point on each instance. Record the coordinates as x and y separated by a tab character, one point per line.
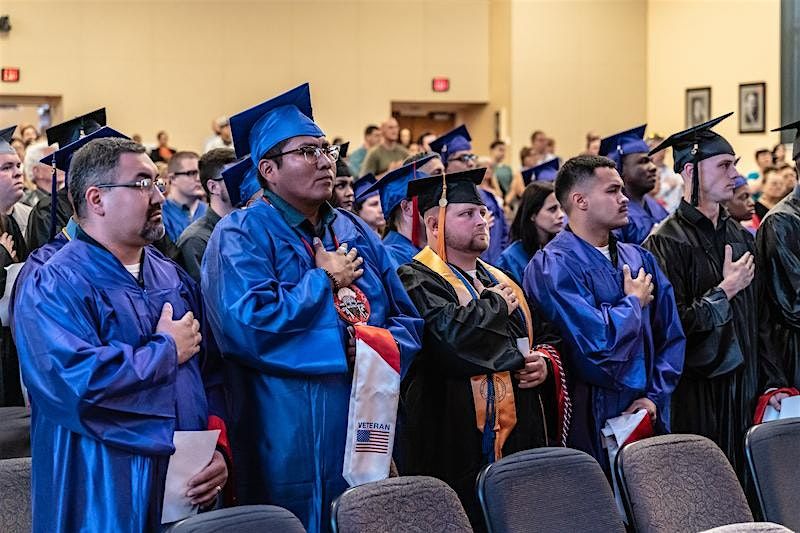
193	241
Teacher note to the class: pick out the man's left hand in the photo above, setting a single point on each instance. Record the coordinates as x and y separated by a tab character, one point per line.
535	371
646	404
205	486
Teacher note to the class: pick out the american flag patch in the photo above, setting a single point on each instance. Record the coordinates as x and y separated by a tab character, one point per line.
372	441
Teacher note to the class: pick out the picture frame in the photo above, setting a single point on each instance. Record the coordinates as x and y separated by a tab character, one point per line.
752	107
697	106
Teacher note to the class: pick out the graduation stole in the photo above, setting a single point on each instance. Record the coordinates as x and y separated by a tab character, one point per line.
492	394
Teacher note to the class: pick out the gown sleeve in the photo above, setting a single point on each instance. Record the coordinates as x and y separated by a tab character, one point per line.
602	339
119	394
469	340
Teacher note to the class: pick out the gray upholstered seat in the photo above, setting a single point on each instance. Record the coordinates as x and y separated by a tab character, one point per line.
547	489
400	505
243	519
680	483
773	453
15	432
15	495
750	527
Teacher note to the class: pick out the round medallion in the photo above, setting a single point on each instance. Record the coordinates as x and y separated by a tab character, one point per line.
352	305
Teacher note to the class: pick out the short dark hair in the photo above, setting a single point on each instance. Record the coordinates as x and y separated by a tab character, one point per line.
535	133
576	171
369	130
496	143
273	154
530	204
762	151
422	136
172	164
525	152
96	163
211	164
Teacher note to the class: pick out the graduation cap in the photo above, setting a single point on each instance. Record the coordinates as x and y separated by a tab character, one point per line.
544	172
694	145
73	129
623	143
393	187
362	188
260	128
61	158
793	126
455	140
739	181
5	140
455	188
342	169
241	180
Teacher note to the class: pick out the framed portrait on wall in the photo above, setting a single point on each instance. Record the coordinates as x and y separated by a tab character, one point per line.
698	105
752	107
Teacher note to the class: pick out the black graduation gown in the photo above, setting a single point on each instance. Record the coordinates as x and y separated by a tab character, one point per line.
38	232
727	344
778	247
10	388
438	434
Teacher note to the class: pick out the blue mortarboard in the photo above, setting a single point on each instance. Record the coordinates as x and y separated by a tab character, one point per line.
793	126
394	185
73	129
5	140
739	181
259	128
362	188
626	142
544	172
241	180
694	145
453	141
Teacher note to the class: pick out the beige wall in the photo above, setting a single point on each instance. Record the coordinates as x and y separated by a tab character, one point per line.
716	43
177	65
576	65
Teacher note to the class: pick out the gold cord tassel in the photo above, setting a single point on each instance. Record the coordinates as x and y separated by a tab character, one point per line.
441	248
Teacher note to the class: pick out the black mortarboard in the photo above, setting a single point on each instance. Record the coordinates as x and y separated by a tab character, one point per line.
694	145
793	126
73	129
5	140
342	169
461	189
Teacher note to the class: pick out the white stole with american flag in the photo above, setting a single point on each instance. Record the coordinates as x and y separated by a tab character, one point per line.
374	397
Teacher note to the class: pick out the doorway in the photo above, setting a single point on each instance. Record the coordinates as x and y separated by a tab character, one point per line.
20	110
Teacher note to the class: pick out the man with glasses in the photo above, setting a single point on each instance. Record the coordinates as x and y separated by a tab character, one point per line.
111	355
192	242
455	149
288	283
185	203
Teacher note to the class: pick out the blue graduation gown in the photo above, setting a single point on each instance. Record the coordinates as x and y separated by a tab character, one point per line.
616	351
177	219
273	316
400	249
106	391
513	260
498	234
641	219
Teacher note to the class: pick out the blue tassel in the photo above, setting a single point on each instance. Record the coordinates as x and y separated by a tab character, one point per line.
488	428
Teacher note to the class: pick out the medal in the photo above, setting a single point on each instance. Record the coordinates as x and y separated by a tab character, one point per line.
352	305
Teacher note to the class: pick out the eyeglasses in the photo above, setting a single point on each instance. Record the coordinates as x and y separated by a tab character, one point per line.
190	173
146	184
312	153
466	158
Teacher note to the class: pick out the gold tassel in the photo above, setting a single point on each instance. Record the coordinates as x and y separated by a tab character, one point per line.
441	248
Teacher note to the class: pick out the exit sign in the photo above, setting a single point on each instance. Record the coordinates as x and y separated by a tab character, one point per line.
441	85
10	74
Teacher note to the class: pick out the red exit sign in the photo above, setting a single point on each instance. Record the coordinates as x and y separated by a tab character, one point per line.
441	85
10	74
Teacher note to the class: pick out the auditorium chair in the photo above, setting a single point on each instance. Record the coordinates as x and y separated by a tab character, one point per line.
750	527
679	483
773	454
15	432
399	504
242	519
547	490
15	495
